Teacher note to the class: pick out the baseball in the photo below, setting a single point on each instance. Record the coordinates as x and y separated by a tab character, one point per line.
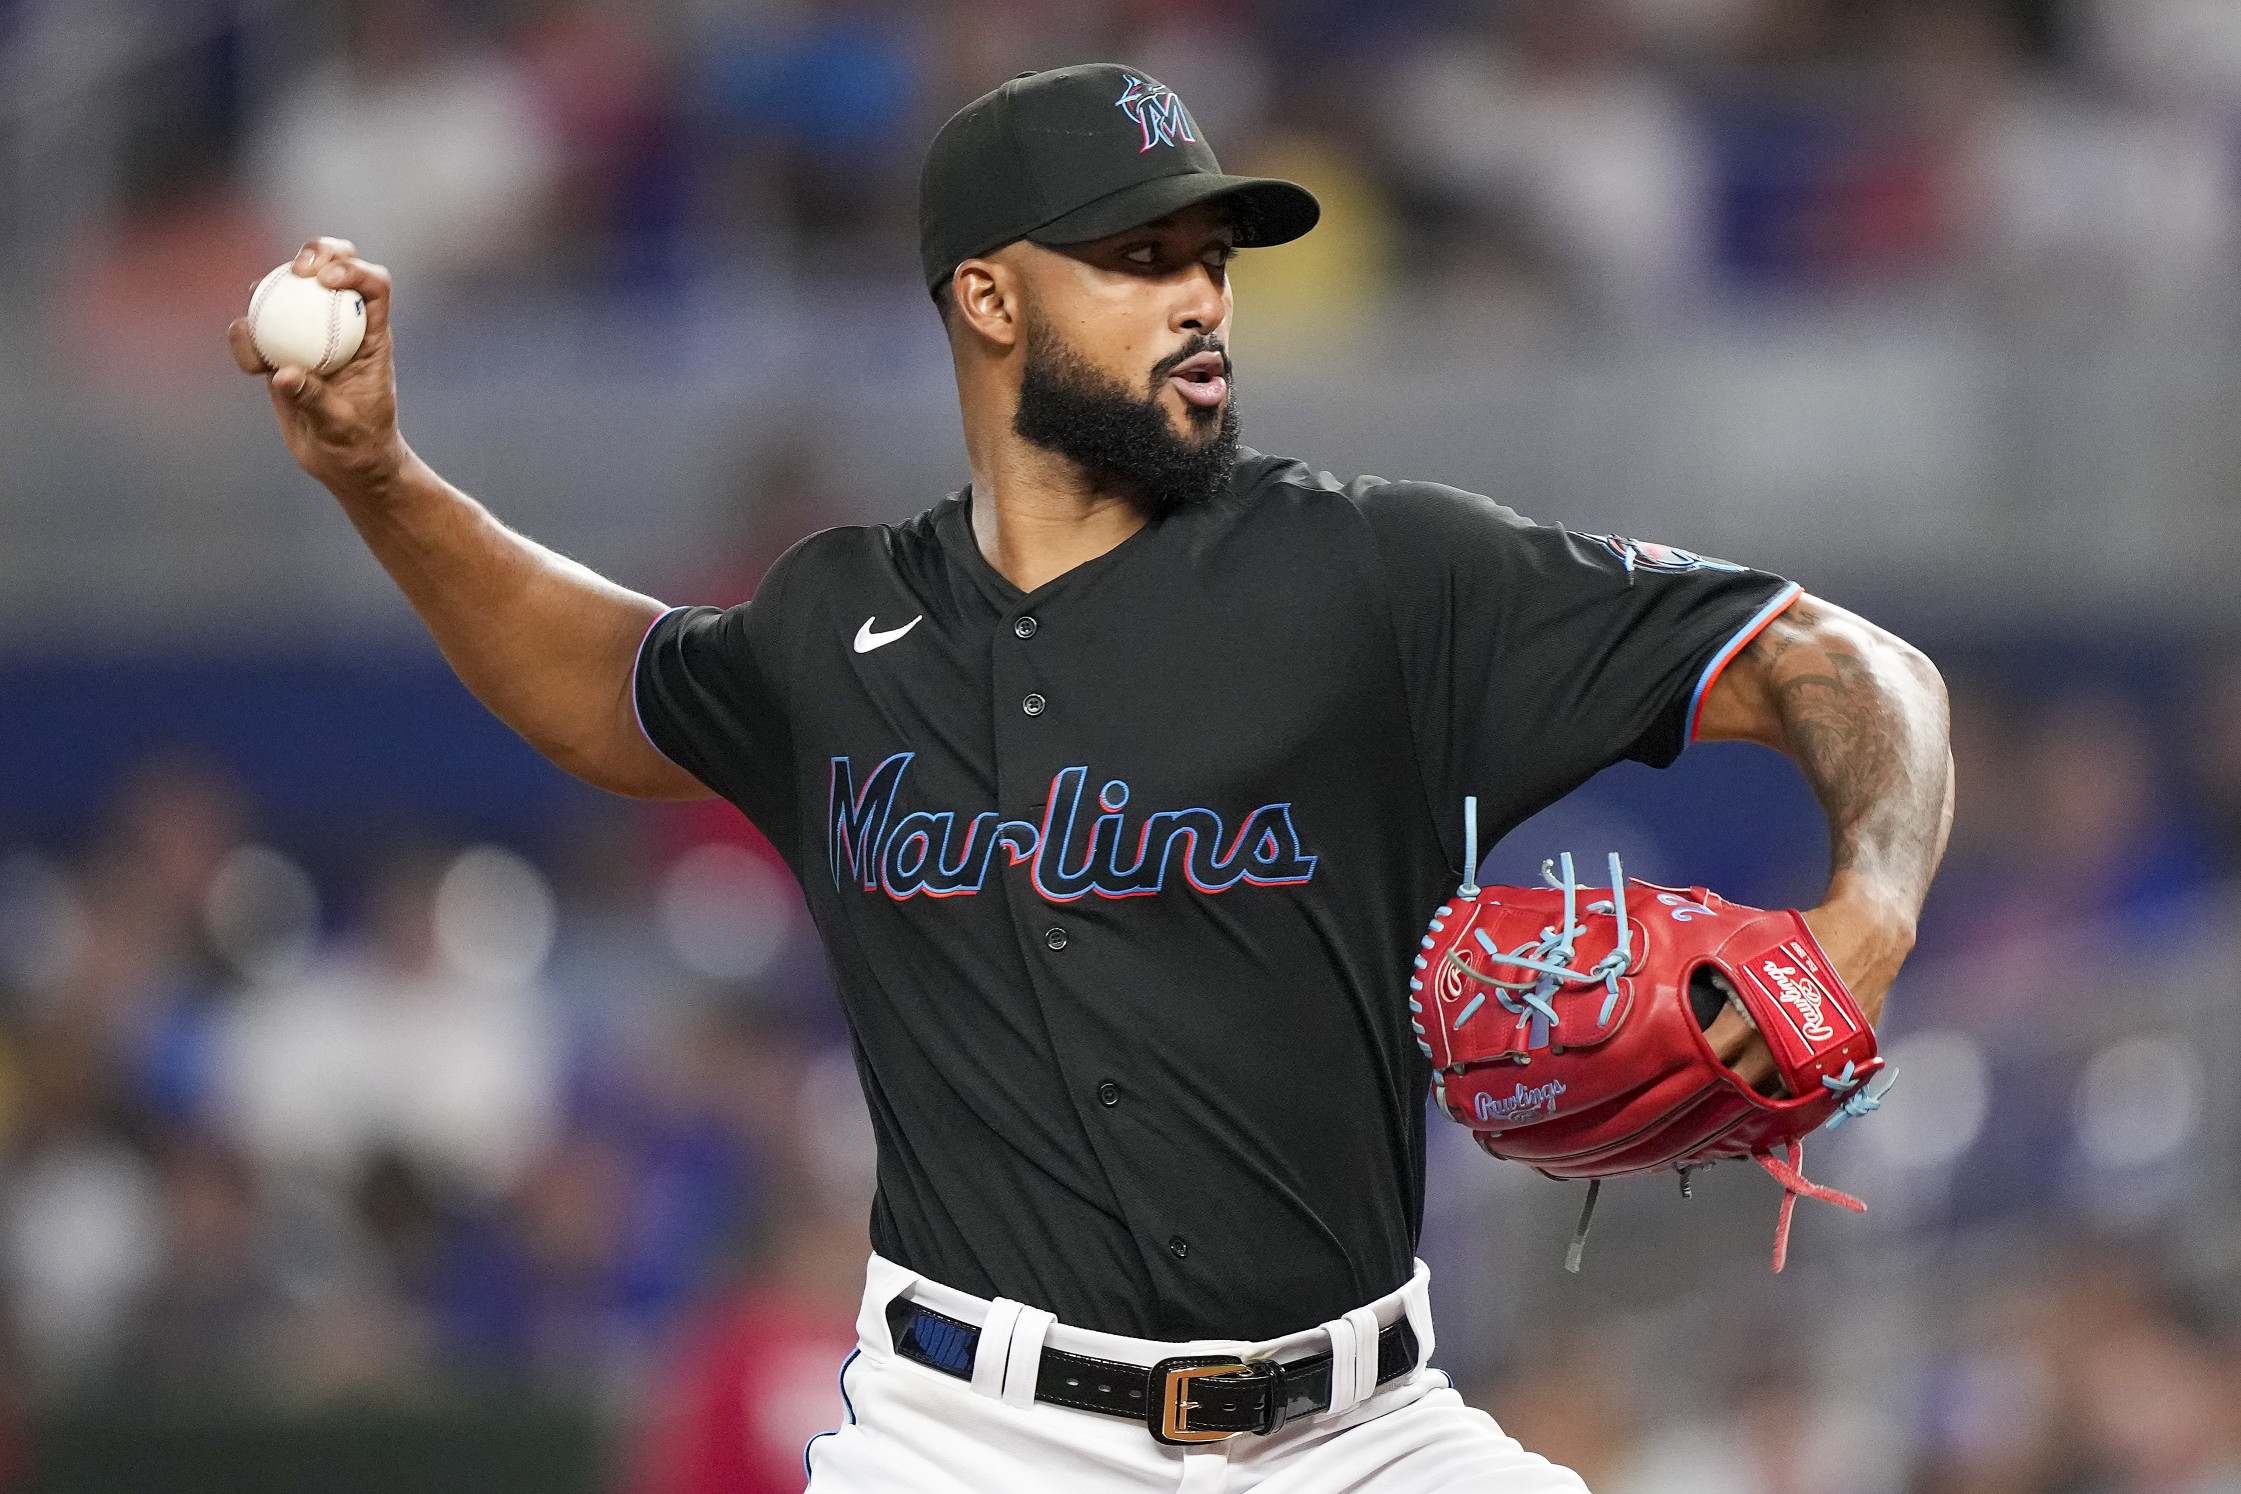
293	319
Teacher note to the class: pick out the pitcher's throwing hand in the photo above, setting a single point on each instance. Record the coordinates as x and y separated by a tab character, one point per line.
341	426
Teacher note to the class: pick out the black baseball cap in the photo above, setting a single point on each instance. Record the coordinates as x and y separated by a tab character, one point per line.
1075	154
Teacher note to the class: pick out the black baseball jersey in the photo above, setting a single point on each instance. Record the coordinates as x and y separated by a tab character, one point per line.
1121	878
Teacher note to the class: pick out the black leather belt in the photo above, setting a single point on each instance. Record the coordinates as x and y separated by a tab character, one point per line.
1195	1398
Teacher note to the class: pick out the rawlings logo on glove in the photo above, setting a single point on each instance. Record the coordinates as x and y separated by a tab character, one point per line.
1569	1033
1521	1101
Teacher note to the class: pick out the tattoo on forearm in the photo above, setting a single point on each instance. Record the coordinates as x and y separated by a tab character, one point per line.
1865	724
1844	745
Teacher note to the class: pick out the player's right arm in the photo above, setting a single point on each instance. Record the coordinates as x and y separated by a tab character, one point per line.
548	645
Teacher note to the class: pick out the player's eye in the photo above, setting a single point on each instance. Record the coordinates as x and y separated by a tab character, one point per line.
1142	254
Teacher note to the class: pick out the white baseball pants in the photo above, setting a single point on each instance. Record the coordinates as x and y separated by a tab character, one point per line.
913	1430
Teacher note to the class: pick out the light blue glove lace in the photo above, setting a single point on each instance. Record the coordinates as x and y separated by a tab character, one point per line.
1858	1099
1550	956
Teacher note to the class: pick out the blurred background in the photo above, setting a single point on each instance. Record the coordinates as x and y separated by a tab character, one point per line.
379	1110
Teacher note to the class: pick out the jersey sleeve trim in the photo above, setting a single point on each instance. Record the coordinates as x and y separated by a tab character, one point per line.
1734	646
637	668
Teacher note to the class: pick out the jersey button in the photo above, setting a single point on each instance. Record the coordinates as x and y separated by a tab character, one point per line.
1055	938
1108	1093
1024	627
1033	705
1178	1247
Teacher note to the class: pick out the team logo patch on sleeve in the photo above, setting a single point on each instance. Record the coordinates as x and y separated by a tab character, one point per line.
1157	112
1648	555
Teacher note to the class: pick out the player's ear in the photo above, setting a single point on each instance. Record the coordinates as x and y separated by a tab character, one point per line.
988	297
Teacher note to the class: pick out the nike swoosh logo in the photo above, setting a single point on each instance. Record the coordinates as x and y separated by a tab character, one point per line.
867	640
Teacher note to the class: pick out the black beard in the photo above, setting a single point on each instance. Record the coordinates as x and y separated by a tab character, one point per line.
1068	406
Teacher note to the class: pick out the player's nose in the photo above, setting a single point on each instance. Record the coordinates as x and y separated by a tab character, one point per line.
1203	302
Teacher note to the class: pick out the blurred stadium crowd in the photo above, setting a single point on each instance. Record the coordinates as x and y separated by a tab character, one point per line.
446	1119
1528	161
378	1111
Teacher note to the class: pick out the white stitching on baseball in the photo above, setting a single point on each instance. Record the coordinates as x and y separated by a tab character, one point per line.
256	300
334	329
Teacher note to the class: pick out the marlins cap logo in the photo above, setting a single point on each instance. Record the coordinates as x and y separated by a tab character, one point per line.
1157	112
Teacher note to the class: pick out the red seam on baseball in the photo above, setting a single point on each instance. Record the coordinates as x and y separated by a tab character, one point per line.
256	300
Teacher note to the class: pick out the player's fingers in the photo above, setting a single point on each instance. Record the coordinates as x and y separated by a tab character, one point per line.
319	252
368	280
244	347
1743	1050
1756	1067
299	386
1729	1036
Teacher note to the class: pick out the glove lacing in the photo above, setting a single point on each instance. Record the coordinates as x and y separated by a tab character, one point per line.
1550	957
1858	1100
1788	1172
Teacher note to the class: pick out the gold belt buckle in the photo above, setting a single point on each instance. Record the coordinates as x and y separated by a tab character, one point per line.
1170	1412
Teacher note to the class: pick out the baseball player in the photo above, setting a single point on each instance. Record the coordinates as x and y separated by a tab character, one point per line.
1120	783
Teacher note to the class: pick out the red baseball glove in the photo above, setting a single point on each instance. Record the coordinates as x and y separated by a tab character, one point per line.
1566	1028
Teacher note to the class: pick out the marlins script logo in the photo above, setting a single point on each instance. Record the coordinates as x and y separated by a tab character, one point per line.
1157	112
1072	852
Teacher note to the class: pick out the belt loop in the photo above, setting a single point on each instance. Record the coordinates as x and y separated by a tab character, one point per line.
1340	1331
1024	1364
884	1281
1416	1303
1364	1320
994	1348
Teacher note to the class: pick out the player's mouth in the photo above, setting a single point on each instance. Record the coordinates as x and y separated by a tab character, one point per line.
1202	379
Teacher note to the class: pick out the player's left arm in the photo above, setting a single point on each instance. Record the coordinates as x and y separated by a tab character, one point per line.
1863	715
